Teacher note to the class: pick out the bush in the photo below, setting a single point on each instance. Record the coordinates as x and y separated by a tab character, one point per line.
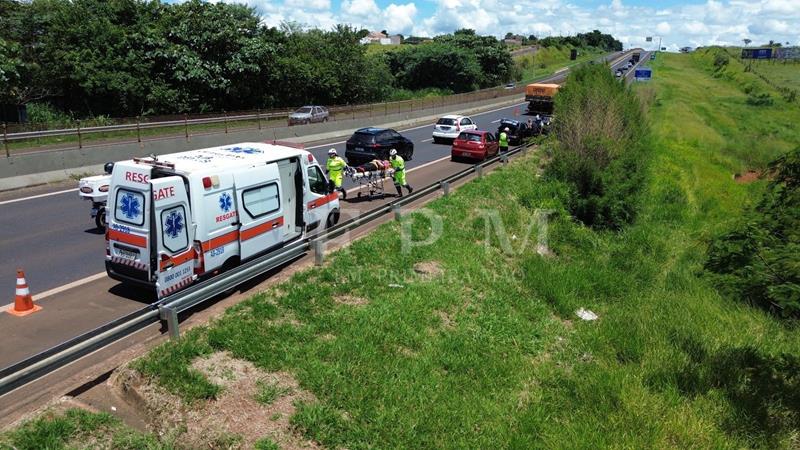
601	149
44	113
759	99
759	260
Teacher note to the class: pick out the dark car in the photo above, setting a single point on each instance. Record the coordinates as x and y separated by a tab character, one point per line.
517	131
367	144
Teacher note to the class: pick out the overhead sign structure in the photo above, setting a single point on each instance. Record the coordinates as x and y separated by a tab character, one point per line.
649	39
756	53
643	74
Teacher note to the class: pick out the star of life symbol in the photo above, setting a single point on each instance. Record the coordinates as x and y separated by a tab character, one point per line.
246	150
130	207
174	224
225	202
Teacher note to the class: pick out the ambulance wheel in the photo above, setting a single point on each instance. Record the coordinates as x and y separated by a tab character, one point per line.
333	219
100	219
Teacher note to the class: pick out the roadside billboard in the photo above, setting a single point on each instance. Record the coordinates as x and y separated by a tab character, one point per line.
756	53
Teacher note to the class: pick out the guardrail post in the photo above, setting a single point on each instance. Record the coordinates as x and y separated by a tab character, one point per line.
258	119
186	125
138	129
397	213
319	251
5	139
479	169
446	187
171	316
80	141
225	119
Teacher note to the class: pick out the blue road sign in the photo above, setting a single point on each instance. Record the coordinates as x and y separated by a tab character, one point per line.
643	73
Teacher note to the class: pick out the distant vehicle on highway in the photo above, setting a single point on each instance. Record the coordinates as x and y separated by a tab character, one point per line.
629	65
618	73
517	132
371	143
449	127
511	85
309	114
540	97
474	144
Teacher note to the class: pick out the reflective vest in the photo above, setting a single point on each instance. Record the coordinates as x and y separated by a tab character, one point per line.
399	167
335	167
503	139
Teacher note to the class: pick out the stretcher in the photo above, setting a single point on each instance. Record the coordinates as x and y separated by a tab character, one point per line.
370	182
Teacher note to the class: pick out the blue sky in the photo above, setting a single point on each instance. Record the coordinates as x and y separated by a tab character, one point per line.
678	23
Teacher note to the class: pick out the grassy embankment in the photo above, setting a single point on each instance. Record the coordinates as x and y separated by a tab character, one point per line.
547	60
489	354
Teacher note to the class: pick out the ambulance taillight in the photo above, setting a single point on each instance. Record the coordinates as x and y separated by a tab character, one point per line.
199	260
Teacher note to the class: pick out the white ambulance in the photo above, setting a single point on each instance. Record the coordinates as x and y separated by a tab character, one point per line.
173	219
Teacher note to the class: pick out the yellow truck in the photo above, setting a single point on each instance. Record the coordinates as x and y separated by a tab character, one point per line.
540	97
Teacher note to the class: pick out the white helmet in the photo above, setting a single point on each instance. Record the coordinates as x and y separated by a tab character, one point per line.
506	129
392	152
332	152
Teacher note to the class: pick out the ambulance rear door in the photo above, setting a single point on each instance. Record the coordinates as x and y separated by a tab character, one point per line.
173	232
128	230
258	197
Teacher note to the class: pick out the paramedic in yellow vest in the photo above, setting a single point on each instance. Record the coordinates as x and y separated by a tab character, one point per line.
335	168
503	140
399	167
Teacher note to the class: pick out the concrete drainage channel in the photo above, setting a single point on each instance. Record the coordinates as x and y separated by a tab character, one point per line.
167	309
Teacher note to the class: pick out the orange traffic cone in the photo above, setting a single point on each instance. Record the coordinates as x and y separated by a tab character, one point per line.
23	302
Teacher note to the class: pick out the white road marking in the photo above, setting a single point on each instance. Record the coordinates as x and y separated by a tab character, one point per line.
60	289
427	140
6	202
495	121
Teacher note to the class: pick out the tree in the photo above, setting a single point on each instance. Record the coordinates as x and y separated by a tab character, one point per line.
746	42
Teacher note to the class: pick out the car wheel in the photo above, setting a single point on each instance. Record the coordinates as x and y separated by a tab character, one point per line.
100	219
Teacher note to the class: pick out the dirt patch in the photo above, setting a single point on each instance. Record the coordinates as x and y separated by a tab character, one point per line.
236	419
428	270
747	177
447	321
350	300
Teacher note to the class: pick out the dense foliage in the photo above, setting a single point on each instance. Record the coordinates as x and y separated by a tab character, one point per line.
759	260
137	57
594	39
600	151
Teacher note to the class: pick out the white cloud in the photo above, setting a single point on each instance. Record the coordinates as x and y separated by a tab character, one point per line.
703	22
401	18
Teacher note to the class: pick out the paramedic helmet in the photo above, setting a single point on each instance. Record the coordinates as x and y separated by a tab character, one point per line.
505	129
392	153
332	152
108	167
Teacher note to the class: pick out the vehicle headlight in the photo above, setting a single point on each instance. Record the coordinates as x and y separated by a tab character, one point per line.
87	190
103	188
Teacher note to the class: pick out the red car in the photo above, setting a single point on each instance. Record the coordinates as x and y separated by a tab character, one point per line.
474	144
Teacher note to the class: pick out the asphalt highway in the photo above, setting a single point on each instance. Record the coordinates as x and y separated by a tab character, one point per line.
49	234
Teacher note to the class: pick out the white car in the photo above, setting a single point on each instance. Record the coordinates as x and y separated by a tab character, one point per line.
449	127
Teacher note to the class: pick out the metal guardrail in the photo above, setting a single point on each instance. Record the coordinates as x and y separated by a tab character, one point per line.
168	308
